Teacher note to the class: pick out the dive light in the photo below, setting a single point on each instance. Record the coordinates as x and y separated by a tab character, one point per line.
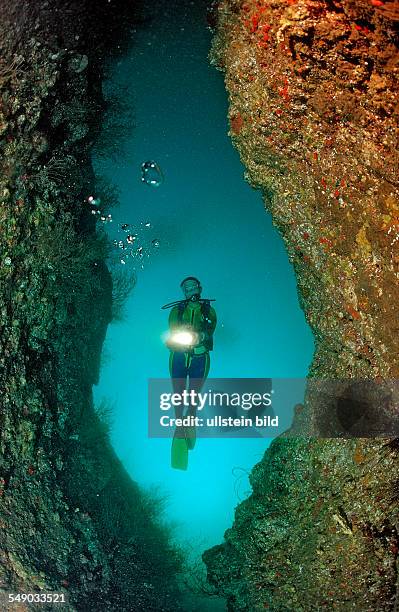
184	338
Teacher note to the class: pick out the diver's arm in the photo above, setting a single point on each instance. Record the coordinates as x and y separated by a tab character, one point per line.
173	318
176	325
213	319
173	323
209	326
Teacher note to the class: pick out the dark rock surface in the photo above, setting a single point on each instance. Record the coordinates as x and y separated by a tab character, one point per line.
71	519
314	115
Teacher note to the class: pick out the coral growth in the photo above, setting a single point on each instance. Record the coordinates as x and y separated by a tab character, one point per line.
317	83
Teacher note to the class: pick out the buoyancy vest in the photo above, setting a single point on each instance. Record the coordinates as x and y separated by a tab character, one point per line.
205	308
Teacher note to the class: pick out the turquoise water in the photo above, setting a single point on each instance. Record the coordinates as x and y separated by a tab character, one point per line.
211	224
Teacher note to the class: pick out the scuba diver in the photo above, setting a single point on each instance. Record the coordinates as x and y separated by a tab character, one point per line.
192	322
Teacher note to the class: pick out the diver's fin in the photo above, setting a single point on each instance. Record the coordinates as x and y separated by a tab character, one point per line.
190	437
179	453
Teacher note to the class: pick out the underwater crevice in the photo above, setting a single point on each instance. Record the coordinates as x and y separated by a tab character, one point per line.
64	495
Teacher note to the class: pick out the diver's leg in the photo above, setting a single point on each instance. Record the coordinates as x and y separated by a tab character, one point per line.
197	373
198	370
178	373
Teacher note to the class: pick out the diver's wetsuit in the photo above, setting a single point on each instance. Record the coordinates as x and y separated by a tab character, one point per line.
194	363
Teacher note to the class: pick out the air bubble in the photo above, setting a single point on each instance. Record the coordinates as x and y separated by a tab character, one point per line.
155	243
151	174
94	201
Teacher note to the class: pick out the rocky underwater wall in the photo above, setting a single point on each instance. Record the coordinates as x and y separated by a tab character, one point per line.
313	113
313	88
71	520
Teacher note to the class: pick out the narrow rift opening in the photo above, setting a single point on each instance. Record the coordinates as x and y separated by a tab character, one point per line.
192	215
235	143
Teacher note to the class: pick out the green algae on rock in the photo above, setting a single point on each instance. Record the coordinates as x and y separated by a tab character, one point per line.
71	519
